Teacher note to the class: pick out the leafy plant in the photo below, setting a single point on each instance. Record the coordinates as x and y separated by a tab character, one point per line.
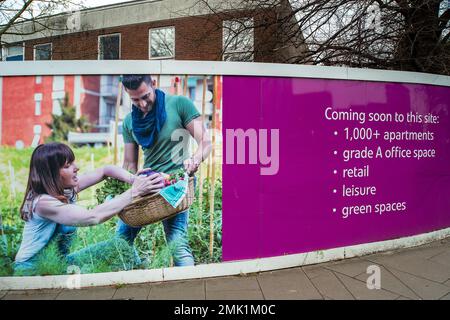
67	121
199	233
50	262
150	243
9	240
5	260
106	256
111	187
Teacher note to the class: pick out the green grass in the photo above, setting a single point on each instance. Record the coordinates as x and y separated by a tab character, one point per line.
150	242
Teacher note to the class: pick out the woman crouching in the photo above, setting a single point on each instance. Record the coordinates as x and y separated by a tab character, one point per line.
49	208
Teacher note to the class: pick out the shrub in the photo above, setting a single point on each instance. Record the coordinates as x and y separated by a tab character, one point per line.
67	121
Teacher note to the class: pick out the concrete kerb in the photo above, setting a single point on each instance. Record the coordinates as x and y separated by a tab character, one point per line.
218	269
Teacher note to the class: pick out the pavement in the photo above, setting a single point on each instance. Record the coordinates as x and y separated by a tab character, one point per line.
419	273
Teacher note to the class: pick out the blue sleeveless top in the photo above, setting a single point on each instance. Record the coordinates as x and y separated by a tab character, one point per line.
37	232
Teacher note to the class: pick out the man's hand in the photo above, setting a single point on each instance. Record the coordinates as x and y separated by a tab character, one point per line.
191	165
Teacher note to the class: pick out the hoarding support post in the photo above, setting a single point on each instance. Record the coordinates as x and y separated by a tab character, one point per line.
200	185
185	87
93	168
116	124
213	171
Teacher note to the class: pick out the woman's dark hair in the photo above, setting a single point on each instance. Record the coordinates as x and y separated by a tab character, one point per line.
134	81
44	178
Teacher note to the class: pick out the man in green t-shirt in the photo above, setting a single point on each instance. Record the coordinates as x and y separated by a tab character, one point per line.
157	123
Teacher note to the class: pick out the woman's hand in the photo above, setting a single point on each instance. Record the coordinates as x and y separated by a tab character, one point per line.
143	185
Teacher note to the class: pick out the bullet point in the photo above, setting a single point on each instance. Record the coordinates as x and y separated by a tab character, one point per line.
335	152
334	190
335	171
335	133
334	210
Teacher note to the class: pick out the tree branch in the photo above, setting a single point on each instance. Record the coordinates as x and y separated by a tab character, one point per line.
16	16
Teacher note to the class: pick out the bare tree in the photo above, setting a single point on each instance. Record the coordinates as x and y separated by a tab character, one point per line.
23	18
388	34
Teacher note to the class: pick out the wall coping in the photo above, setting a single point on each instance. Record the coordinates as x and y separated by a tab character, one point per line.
241	267
187	67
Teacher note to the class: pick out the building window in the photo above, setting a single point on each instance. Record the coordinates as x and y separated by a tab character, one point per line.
58	83
38	104
109	47
162	43
12	53
43	51
238	40
37	109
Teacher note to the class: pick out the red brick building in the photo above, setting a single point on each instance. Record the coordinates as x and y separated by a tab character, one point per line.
137	30
156	29
29	102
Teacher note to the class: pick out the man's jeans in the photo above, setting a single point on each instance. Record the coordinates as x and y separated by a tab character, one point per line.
175	229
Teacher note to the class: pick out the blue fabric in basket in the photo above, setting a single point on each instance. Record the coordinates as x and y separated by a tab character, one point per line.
176	192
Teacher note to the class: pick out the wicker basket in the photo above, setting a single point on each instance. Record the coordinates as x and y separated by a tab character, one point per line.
153	208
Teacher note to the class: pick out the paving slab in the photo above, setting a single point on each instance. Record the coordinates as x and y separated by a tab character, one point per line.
327	283
418	273
443	258
351	268
422	252
99	293
135	292
360	291
425	251
181	290
232	283
391	283
420	267
32	295
287	284
235	295
424	288
446	297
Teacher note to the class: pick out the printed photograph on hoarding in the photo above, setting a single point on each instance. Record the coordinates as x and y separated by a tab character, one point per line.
109	173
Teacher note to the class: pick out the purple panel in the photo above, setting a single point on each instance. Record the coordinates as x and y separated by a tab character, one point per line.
291	211
242	183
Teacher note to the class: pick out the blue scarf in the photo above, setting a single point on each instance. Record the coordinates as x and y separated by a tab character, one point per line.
146	129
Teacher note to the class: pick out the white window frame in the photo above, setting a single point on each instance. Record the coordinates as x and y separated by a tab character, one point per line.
225	52
58	84
150	43
43	44
38	108
38	104
109	35
5	51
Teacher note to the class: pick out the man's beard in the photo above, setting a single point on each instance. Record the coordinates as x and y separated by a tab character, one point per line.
148	107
